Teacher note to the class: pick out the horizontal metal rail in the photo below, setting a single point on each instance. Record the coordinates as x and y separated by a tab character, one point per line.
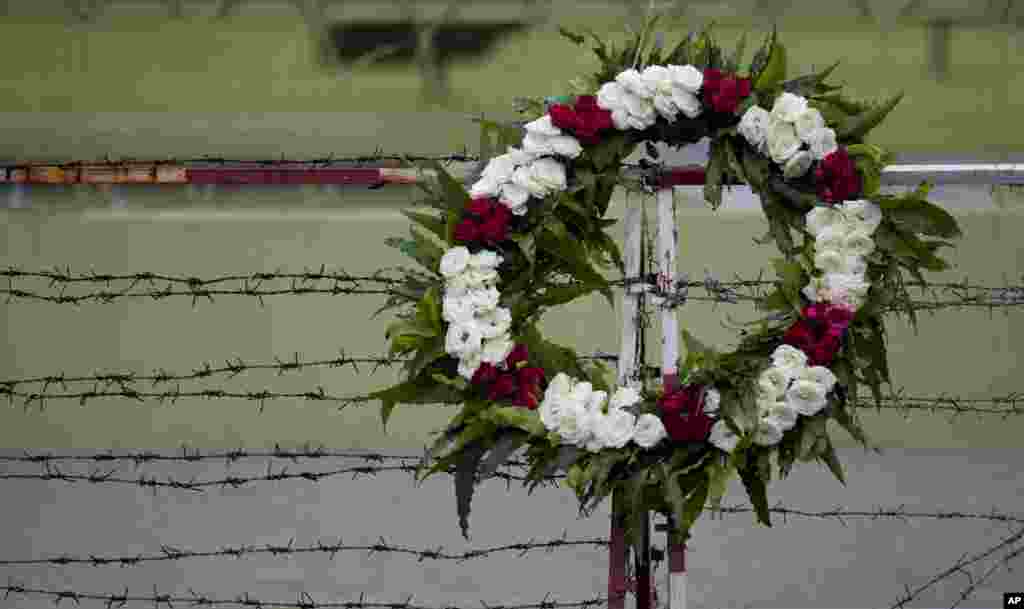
295	174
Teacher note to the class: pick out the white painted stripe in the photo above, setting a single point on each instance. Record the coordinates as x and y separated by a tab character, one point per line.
677	590
666	256
956	168
243	215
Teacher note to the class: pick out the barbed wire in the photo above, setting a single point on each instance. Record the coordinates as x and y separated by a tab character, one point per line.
195	455
962	294
378	157
382	546
1011	404
304	600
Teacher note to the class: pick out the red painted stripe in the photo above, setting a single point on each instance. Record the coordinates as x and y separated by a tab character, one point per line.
690	175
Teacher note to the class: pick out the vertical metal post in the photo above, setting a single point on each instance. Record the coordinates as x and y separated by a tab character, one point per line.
627	366
668	245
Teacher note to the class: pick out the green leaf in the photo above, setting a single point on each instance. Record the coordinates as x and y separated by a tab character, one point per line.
420	390
577	39
465	480
428	222
757	492
456	196
917	215
559	295
830	459
733	64
775	66
808	85
714	173
509	441
719	475
429	352
528	246
517	417
857	126
556	241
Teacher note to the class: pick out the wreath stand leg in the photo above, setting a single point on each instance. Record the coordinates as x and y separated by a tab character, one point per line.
668	244
628	348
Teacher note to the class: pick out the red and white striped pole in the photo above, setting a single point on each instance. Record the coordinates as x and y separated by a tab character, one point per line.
668	242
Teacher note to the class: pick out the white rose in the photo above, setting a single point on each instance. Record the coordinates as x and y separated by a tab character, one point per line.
633	82
722	436
687	77
514	197
834	236
769	432
806	396
789	106
485	187
616	429
819	374
572	423
624	396
469	364
611	96
641	111
541	177
820	218
559	388
494	323
780	412
712	399
543	126
500	168
658	79
649	431
595	401
772	383
560	145
473	277
855	284
485	259
462	339
863	213
753	126
859	243
457	308
666	108
839	261
822	143
621	119
454	261
687	102
807	122
789	359
782	141
496	349
797	165
581	392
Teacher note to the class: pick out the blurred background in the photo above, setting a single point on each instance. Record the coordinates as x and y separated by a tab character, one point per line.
92	79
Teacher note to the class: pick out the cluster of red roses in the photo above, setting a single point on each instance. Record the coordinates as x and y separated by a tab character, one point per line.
837	177
487	222
819	332
518	381
723	93
584	119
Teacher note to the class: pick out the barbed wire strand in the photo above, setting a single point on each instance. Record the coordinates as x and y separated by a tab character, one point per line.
962	294
304	600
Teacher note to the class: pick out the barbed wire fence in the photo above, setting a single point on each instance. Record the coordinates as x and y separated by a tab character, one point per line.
62	286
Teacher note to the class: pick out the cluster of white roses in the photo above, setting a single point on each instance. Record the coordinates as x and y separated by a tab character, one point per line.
792	134
578	414
842	239
478	328
520	173
789	387
635	99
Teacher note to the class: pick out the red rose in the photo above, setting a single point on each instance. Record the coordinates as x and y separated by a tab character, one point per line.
683	416
819	332
503	387
518	354
526	396
480	207
493	230
531	376
467	231
837	177
723	93
588	103
563	117
485	374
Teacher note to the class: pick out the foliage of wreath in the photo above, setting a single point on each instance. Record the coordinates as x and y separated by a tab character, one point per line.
551	252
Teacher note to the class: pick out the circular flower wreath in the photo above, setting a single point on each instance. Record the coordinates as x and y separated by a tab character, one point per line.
530	235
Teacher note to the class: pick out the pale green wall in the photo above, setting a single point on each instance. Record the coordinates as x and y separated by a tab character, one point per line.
962	353
261	63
